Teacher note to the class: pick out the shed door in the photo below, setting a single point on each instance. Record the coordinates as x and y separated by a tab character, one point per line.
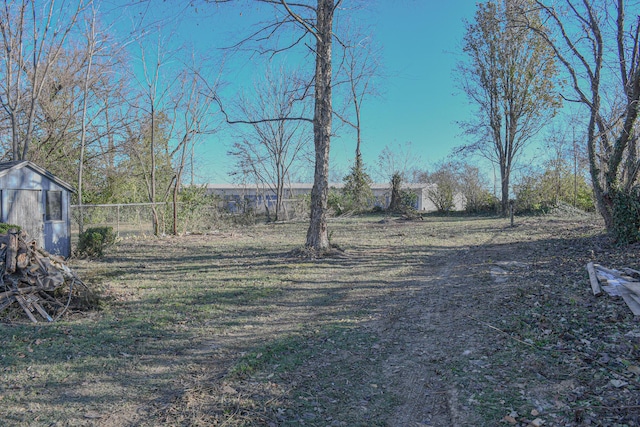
24	208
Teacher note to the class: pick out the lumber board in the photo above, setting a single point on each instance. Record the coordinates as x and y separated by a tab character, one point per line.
25	308
615	273
631	272
631	302
18	291
42	311
633	287
593	279
635	297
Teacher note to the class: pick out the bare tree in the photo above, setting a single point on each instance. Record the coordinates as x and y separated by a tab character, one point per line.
156	86
473	188
358	69
268	151
399	158
192	118
445	184
33	37
508	76
599	50
95	42
312	19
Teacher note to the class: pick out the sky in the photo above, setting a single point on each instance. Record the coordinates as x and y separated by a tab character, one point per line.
418	103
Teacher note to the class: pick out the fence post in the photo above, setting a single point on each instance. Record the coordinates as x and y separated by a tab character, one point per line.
511	210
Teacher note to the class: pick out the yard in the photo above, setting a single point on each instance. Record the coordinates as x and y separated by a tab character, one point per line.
448	321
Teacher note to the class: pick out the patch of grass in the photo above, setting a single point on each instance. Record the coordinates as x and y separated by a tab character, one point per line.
334	360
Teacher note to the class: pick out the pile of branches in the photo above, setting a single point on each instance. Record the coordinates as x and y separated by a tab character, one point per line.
32	280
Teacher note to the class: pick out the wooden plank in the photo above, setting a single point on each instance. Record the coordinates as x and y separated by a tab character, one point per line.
25	307
632	272
635	297
615	273
633	305
14	292
633	287
41	310
593	279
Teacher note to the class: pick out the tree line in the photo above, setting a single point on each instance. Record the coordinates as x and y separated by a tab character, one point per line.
120	115
527	57
100	110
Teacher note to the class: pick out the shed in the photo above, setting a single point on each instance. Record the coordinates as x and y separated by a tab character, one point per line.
39	202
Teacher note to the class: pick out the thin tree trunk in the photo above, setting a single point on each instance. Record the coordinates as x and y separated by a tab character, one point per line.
83	132
152	190
505	193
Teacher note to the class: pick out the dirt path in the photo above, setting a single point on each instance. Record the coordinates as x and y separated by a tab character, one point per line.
437	328
427	329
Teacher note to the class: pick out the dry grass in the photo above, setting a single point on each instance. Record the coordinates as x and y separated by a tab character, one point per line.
406	327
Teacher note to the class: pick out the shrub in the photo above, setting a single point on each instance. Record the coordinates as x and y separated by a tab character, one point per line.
626	215
357	194
541	191
4	228
336	201
93	241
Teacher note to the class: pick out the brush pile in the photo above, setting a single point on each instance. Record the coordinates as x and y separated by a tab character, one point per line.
33	281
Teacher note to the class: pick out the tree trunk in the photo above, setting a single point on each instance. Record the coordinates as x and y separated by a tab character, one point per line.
176	193
152	190
395	205
317	234
504	204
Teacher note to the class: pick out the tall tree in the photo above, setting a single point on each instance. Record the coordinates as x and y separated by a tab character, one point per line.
155	86
312	19
32	38
270	148
358	69
600	52
192	118
508	77
401	159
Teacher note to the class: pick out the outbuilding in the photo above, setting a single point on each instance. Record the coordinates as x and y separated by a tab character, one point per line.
39	202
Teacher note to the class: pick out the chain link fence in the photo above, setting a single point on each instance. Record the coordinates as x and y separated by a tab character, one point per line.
136	219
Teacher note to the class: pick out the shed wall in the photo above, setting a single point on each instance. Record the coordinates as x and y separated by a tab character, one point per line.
53	235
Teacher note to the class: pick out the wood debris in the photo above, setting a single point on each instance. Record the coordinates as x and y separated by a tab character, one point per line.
31	278
623	283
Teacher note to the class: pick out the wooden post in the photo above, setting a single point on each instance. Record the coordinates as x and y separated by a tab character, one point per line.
511	211
12	251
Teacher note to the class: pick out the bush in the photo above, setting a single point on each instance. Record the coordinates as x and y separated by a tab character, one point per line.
93	241
541	191
336	201
4	228
196	212
356	193
402	201
626	216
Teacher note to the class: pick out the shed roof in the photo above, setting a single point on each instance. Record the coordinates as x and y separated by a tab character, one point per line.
7	167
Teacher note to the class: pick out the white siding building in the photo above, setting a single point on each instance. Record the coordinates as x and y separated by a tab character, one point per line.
257	196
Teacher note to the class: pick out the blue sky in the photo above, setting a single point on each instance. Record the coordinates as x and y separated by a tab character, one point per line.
419	101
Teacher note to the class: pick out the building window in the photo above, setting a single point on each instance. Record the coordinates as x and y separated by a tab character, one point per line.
54	206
